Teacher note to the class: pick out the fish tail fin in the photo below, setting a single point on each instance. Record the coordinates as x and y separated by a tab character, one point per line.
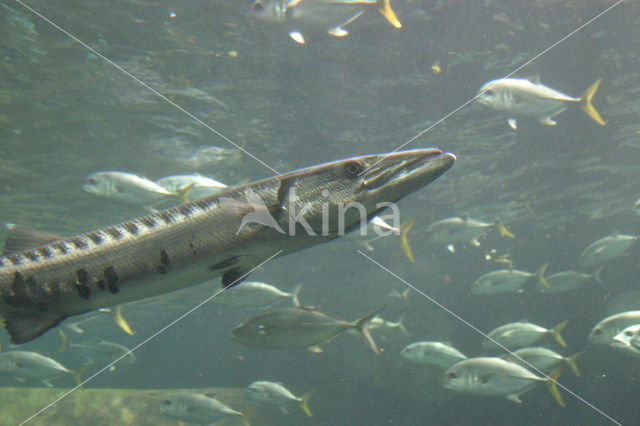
304	403
555	332
77	374
503	230
552	387
404	242
587	106
361	326
402	326
384	7
244	416
183	193
122	323
571	362
294	296
540	275
597	276
65	341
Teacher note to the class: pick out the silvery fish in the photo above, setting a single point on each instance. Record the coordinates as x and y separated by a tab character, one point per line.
377	228
98	351
521	97
543	359
381	325
318	15
462	230
606	249
45	278
297	328
628	340
276	394
486	376
501	281
127	188
201	186
606	330
564	281
521	334
255	294
440	354
31	365
197	408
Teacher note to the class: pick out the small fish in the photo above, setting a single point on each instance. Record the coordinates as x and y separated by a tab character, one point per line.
101	351
31	365
300	327
377	228
487	376
318	15
522	334
116	315
440	354
127	188
197	408
501	281
462	230
276	394
606	330
543	359
606	249
628	340
521	97
564	281
201	186
255	294
381	325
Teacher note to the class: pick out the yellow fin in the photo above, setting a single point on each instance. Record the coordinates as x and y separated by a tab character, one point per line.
404	242
587	106
244	417
303	403
122	323
571	362
315	349
551	385
183	193
555	332
78	373
541	278
384	7
504	231
65	341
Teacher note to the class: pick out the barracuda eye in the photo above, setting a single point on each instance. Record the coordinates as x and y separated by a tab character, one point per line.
353	169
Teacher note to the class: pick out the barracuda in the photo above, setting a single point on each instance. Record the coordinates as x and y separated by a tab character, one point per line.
45	279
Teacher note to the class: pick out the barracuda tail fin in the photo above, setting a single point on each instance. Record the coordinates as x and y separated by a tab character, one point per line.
540	275
555	332
361	326
571	362
384	7
303	403
404	242
551	385
587	106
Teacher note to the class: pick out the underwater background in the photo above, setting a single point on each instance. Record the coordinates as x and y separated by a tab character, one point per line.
65	113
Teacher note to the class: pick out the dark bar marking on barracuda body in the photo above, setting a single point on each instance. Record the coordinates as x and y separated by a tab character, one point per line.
44	251
61	247
165	216
225	263
164	261
101	285
79	242
131	227
95	237
148	221
114	232
186	209
112	279
82	283
15	258
18	296
283	189
31	255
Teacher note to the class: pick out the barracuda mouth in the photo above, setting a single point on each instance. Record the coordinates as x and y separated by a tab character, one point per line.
405	165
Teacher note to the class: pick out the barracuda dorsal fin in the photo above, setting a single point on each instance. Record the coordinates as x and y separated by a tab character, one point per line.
23	327
23	238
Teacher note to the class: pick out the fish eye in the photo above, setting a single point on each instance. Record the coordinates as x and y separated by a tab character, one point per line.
628	333
597	331
257	6
165	402
353	168
451	375
92	181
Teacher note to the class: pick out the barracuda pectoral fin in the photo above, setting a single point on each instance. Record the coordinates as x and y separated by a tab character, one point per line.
23	238
234	271
23	327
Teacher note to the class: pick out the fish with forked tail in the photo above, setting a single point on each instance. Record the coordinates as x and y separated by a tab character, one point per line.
45	278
